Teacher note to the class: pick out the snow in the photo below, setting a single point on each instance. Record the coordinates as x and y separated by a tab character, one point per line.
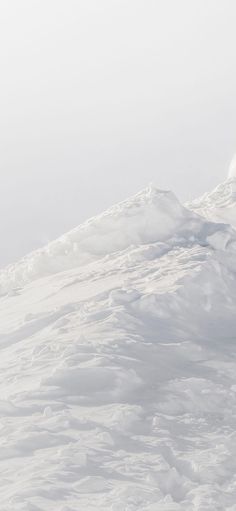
118	362
218	205
149	217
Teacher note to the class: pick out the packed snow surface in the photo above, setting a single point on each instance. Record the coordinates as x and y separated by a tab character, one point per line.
118	362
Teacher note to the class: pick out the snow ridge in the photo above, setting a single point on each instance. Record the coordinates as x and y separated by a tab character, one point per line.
218	205
149	217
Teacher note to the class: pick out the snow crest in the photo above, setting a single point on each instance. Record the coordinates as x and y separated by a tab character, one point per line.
149	217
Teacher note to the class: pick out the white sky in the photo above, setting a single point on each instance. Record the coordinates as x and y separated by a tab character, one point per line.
100	97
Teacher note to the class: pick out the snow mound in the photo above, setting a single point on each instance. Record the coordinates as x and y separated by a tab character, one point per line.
151	216
117	367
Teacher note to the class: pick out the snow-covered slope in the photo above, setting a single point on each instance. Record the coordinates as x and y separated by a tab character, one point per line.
118	363
219	205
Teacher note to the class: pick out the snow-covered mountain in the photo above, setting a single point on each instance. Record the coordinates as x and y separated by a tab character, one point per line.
118	363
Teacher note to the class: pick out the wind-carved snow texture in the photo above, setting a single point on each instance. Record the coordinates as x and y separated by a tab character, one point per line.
118	362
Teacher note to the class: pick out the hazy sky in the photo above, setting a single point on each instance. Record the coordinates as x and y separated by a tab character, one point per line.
100	97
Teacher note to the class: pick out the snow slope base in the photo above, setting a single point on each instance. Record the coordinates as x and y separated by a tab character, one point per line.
118	362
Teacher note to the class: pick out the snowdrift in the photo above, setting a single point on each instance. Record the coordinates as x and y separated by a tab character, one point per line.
118	362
